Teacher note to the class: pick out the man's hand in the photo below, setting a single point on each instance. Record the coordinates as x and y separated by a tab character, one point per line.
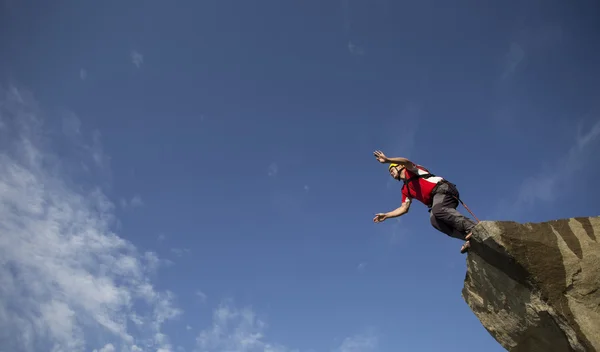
381	157
380	217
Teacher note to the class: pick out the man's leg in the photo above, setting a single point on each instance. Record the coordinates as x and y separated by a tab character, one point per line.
444	211
442	227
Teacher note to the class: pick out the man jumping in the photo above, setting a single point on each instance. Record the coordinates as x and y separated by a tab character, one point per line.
439	195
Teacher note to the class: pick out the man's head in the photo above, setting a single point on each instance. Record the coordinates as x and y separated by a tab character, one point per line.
395	171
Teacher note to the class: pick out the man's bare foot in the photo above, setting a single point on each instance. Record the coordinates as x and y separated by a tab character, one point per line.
465	247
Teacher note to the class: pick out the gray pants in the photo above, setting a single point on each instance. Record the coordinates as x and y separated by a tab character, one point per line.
443	214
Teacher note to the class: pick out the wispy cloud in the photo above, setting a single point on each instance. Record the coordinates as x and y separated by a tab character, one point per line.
273	170
546	185
346	13
64	271
180	252
137	58
242	330
202	296
82	74
361	267
109	347
234	329
135	202
71	126
513	58
365	342
529	41
355	49
96	150
550	182
399	231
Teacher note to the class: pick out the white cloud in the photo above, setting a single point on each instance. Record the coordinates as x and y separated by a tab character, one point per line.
66	279
237	330
137	58
362	266
359	343
107	348
82	74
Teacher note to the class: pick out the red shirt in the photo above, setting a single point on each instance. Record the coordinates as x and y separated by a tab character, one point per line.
419	188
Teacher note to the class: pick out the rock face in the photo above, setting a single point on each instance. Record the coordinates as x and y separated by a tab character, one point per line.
536	286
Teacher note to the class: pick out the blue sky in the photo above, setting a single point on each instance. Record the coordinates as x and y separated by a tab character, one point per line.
200	176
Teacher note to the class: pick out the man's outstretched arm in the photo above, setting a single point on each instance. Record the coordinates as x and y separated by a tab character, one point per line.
400	160
403	209
397	160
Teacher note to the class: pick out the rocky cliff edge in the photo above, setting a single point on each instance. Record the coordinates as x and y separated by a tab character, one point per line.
536	286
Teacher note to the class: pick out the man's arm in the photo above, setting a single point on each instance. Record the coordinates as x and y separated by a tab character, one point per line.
403	209
401	161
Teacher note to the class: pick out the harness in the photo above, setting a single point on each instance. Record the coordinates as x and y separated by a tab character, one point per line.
428	175
417	176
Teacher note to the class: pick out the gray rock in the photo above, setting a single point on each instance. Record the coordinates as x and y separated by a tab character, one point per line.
536	286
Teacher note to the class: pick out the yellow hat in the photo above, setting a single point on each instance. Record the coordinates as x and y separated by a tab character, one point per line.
391	166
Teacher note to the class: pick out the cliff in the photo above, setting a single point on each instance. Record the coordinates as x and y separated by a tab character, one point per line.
536	286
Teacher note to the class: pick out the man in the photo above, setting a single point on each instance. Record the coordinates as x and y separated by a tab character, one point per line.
439	195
